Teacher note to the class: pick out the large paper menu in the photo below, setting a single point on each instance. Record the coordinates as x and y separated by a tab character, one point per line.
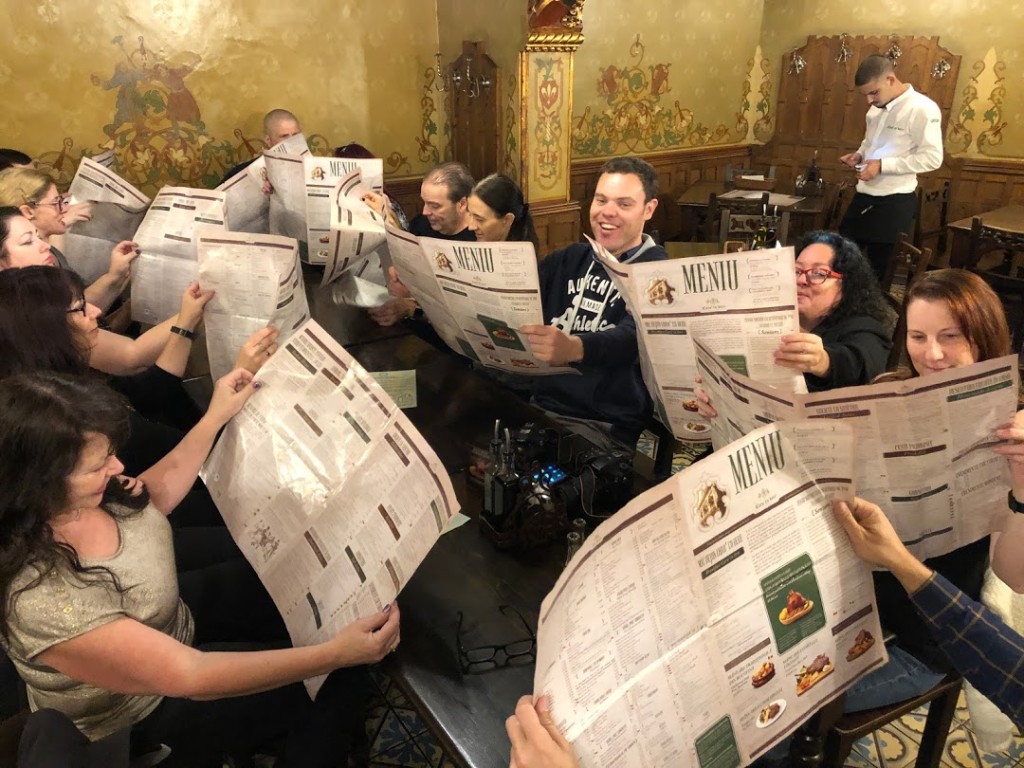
706	620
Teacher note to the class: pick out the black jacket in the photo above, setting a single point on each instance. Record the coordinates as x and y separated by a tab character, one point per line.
580	299
858	350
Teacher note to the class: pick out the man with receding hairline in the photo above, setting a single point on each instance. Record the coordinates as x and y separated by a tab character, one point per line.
278	125
903	138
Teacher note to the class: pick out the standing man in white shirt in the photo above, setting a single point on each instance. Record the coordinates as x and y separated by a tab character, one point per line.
903	138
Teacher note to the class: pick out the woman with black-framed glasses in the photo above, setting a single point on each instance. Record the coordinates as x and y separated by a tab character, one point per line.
34	196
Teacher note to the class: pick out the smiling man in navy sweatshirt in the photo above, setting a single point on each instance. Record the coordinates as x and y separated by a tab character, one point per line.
588	325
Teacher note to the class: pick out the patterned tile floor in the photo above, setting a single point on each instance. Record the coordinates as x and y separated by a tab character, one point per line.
895	746
396	734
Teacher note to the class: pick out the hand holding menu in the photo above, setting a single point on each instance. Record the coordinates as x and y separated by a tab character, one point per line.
477	296
328	489
740	303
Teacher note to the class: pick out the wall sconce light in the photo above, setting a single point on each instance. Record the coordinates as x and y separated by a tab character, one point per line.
796	63
844	50
894	52
458	80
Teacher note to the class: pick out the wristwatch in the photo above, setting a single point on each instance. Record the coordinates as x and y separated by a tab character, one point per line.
190	335
1013	504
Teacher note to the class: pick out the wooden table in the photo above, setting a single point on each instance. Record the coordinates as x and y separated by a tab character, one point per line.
1010	218
694	201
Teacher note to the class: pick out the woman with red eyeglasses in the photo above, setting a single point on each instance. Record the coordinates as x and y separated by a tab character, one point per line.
844	338
34	194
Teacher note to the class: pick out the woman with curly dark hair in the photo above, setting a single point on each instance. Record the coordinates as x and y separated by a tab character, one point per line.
845	323
844	338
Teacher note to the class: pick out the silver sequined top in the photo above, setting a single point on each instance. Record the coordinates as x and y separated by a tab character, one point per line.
63	606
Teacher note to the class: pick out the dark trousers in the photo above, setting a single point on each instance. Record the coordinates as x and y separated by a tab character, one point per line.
232	613
51	740
875	223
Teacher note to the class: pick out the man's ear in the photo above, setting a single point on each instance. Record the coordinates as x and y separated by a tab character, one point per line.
649	208
463	205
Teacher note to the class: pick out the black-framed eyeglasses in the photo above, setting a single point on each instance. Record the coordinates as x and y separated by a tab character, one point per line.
61	203
82	307
817	275
484	658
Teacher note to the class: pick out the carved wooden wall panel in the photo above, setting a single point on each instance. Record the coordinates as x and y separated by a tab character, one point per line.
819	108
476	136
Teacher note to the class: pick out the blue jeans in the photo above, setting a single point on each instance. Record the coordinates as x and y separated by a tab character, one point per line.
904	677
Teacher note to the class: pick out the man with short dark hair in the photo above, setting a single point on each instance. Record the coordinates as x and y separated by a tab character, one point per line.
588	324
903	138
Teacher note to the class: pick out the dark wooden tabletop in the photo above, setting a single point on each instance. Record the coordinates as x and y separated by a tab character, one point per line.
1009	218
696	196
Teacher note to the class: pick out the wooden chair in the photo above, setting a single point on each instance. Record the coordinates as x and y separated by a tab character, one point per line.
683	249
932	217
910	263
907	262
738	217
740	221
1010	290
731	173
837	198
941	700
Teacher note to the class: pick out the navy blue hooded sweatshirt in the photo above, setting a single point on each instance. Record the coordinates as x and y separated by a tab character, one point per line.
581	300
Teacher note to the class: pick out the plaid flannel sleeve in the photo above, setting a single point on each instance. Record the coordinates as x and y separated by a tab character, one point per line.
981	646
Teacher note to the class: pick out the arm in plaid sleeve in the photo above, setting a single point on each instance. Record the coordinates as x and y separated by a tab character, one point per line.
981	646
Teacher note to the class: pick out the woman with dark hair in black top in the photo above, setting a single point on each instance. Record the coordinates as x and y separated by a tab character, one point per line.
498	212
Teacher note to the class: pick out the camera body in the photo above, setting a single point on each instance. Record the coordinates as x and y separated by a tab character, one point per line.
534	486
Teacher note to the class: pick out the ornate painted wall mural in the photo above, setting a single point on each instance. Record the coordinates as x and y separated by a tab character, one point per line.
639	115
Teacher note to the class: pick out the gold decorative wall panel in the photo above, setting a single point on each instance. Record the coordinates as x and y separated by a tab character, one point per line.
548	77
179	89
663	75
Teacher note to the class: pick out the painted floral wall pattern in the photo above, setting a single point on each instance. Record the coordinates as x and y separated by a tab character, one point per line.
550	82
638	116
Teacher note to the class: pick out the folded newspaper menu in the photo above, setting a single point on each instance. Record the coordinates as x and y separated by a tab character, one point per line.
922	446
257	281
477	295
741	304
168	259
708	618
116	212
327	488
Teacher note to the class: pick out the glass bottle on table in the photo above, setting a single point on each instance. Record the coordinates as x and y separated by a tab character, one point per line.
573	542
